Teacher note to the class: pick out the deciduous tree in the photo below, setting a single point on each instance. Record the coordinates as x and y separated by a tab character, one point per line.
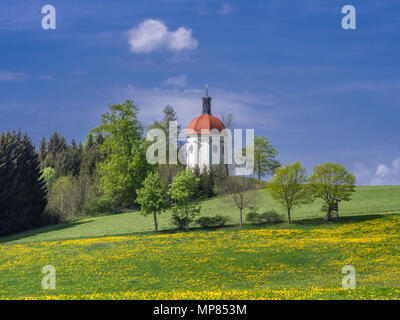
264	157
125	166
238	189
288	186
152	197
332	183
183	191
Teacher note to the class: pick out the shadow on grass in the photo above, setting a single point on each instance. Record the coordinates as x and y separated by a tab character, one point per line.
339	221
311	223
45	229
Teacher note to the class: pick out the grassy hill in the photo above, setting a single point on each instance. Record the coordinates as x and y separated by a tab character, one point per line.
366	200
116	257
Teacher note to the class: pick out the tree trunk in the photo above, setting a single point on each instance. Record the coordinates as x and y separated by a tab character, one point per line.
155	222
328	214
241	217
288	214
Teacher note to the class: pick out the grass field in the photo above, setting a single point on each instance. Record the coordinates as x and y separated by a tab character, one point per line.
366	200
113	257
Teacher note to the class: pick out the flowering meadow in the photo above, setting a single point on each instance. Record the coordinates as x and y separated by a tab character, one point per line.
301	261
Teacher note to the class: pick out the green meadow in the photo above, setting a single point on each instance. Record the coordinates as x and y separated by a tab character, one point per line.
119	257
365	201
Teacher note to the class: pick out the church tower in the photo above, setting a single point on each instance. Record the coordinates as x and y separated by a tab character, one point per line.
205	141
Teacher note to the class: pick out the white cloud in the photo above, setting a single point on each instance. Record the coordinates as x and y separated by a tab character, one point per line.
396	166
13	76
383	174
176	82
382	170
152	35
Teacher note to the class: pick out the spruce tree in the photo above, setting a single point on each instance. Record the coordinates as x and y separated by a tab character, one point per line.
22	190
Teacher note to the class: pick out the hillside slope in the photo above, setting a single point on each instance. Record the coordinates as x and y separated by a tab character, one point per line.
366	200
301	261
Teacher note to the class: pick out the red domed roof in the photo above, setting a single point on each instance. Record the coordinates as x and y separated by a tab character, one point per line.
206	122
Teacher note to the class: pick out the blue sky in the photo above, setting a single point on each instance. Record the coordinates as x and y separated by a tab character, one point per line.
283	67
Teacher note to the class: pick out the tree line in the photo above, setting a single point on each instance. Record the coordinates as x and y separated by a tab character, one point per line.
61	181
109	172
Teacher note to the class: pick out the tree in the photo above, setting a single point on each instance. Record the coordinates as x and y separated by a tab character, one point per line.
183	191
42	152
152	196
63	199
289	187
332	183
56	153
169	114
22	190
49	176
125	166
264	157
238	188
73	159
91	155
227	120
168	170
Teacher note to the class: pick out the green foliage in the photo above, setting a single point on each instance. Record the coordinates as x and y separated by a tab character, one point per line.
265	162
167	171
270	216
42	152
57	154
103	204
72	196
152	196
22	190
125	166
332	182
183	191
217	221
63	197
206	182
92	155
49	176
289	186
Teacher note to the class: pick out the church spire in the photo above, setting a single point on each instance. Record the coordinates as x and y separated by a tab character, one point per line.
206	102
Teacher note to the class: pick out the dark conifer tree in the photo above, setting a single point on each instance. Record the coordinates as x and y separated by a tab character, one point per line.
42	152
22	191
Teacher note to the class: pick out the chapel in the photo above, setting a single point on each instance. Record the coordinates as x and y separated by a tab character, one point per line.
205	139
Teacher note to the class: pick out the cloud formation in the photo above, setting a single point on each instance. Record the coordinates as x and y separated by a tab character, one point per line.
227	9
383	174
13	76
188	104
176	82
387	174
153	35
